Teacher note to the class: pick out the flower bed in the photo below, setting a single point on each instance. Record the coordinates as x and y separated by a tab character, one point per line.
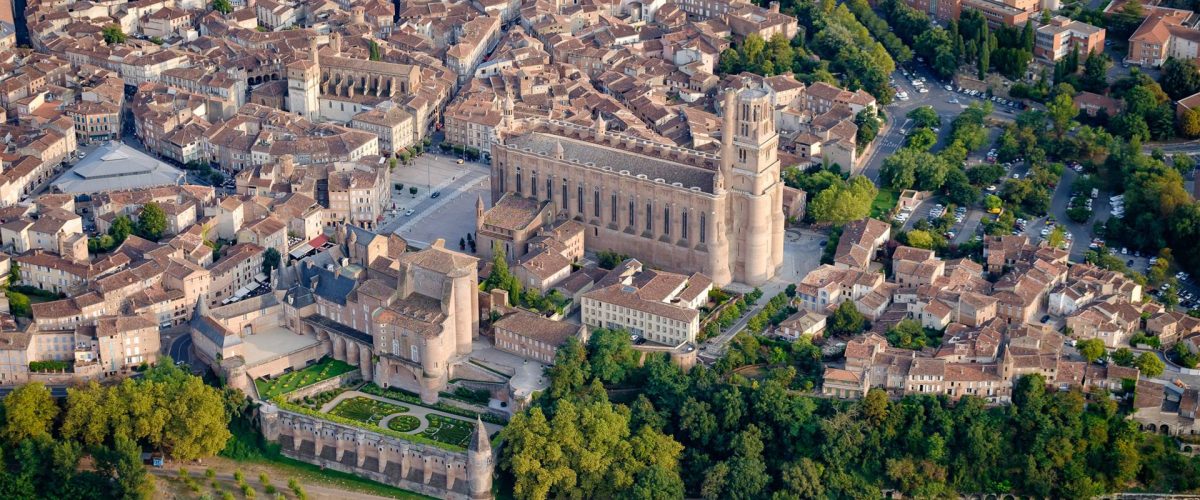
448	430
316	401
366	410
404	423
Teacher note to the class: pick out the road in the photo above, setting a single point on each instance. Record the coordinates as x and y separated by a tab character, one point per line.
1081	233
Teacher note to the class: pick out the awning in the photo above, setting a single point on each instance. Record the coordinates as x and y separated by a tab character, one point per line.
261	278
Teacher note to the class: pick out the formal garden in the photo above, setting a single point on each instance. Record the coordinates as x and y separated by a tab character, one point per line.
442	429
325	369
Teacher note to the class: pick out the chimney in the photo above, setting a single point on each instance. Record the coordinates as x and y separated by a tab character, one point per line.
312	283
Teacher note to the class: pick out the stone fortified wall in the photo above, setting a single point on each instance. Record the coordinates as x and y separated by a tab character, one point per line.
426	469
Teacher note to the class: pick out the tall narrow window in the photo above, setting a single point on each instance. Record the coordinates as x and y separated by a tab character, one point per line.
612	208
683	224
549	188
667	220
596	204
520	188
632	224
579	199
533	184
563	201
649	216
703	227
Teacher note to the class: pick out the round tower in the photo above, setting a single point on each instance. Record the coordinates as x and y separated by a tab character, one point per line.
480	466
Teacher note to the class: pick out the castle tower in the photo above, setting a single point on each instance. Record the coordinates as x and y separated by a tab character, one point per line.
358	15
479	463
754	211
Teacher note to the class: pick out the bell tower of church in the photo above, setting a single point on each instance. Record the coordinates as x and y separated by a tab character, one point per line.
750	164
304	89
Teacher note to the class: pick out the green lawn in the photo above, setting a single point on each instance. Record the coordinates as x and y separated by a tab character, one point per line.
404	423
326	369
884	202
366	410
448	430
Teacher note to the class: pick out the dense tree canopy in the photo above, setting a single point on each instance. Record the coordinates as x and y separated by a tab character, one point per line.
166	409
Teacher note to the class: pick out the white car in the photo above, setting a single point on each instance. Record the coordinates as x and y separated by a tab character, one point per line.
923	90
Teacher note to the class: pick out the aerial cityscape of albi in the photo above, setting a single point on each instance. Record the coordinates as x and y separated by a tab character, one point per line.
654	249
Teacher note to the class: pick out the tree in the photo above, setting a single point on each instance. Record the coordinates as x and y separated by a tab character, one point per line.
907	334
846	320
198	425
152	222
123	463
222	6
271	259
14	273
1180	78
29	412
992	202
412	190
925	117
1091	349
501	277
1061	111
18	304
611	355
113	34
843	203
920	239
868	126
922	139
1150	364
374	52
86	418
120	229
1057	237
1122	356
1189	123
1095	72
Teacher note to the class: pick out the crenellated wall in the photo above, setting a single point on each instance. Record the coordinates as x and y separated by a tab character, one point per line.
425	469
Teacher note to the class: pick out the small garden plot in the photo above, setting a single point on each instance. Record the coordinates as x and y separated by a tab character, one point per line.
366	410
316	401
325	369
448	430
404	423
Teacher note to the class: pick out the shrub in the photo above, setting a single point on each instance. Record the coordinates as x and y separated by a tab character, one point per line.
238	476
262	478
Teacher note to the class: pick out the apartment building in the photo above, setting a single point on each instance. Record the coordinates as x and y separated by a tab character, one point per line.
1064	35
391	123
660	307
1164	33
